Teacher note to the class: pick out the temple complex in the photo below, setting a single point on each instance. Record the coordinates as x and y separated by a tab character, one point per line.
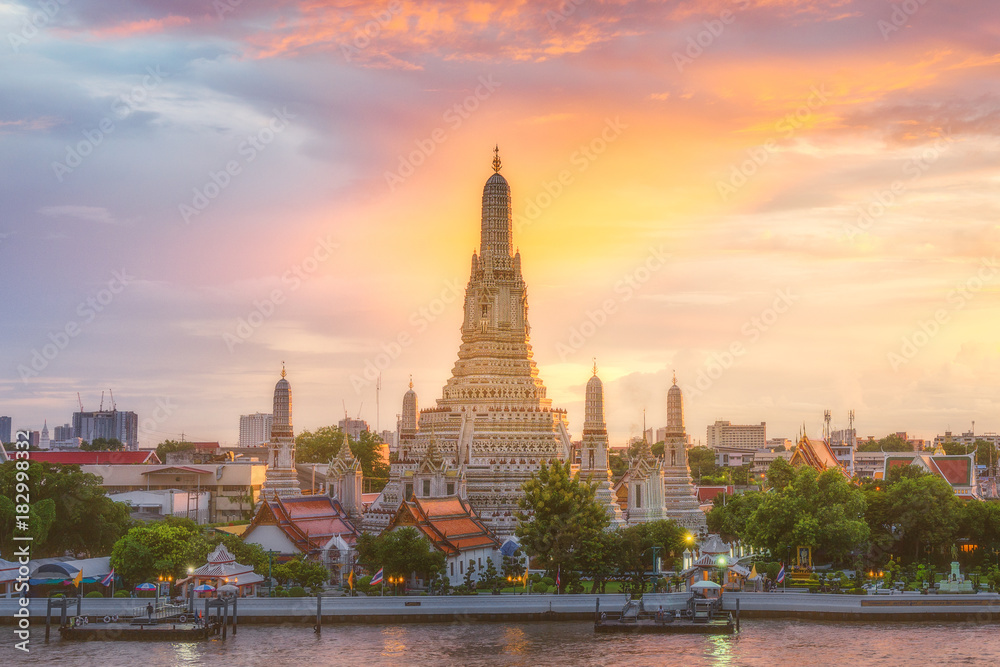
493	421
281	478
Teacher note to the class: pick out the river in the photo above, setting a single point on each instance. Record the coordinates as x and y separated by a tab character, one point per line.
761	642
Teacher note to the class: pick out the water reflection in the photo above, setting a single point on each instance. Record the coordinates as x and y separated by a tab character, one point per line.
514	640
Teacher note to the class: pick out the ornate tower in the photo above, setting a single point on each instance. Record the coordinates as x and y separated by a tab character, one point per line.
344	480
493	416
44	442
594	449
281	478
408	421
679	494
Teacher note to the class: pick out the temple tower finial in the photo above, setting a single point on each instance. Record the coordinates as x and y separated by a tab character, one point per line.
595	366
496	158
282	369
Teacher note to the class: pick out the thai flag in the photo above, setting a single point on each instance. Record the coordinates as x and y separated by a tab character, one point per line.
106	581
781	574
558	572
377	579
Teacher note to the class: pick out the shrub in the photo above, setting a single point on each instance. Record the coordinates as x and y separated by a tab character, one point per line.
540	587
548	581
121	594
94	594
858	591
296	592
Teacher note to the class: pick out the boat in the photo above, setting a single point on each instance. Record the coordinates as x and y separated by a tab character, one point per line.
700	617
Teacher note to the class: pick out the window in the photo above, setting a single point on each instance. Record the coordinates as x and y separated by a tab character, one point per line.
461	567
453	568
407	491
427	487
673	457
480	563
486	310
591	459
638	495
451	488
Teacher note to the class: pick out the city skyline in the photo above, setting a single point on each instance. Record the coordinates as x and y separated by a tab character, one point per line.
805	225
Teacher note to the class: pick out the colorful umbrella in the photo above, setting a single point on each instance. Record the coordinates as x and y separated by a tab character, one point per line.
204	587
146	587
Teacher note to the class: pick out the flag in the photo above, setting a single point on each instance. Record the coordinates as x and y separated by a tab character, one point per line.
350	579
78	579
558	570
753	572
781	574
377	579
108	579
525	577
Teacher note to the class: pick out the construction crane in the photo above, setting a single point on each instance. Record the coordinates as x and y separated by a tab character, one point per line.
114	406
79	400
102	402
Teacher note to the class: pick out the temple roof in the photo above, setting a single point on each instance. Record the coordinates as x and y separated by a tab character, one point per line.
449	523
815	454
958	471
308	521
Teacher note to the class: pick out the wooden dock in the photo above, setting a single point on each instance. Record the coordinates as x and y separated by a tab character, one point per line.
717	626
129	632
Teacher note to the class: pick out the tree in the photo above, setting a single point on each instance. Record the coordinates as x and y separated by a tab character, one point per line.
305	573
730	516
168	446
69	510
491	578
915	513
779	474
324	443
102	445
400	552
820	510
890	443
701	461
158	549
559	518
986	453
469	583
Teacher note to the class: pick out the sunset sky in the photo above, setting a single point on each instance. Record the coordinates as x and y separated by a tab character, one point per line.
793	204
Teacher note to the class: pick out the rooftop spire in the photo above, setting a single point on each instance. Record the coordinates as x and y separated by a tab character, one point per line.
496	158
282	369
595	366
411	382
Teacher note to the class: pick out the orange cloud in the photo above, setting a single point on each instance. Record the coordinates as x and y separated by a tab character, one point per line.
133	28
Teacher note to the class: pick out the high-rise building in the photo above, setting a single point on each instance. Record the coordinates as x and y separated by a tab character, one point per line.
255	429
5	433
61	433
34	438
353	427
726	434
43	441
281	478
110	424
493	418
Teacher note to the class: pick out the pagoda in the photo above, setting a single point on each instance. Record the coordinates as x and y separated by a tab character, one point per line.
679	496
493	420
281	479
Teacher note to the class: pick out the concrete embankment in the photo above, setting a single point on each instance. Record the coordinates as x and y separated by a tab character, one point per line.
522	608
415	609
982	608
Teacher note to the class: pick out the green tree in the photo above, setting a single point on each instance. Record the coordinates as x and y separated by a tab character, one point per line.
158	549
914	514
70	510
470	584
102	445
730	516
890	443
701	461
324	443
168	446
986	453
400	552
779	474
306	573
491	578
559	518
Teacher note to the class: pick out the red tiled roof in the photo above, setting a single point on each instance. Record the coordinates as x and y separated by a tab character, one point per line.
184	469
707	494
205	445
95	458
308	521
449	523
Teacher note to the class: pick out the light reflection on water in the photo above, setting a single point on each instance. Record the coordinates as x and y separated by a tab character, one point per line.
762	643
